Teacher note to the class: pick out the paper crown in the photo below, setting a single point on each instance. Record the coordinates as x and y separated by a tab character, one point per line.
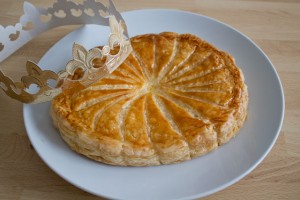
64	12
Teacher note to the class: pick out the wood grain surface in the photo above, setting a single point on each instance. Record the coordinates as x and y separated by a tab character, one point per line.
273	24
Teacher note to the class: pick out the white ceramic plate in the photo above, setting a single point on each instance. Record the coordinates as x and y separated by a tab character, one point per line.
191	179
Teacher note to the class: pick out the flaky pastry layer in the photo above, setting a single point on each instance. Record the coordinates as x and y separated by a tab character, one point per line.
175	97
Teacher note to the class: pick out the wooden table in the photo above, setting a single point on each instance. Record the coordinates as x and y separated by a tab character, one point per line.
273	24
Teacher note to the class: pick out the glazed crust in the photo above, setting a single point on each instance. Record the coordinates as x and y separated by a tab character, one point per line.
175	97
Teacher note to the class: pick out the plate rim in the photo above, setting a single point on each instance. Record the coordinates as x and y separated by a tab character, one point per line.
229	183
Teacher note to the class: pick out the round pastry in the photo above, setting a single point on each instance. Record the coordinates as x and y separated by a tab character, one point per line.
175	97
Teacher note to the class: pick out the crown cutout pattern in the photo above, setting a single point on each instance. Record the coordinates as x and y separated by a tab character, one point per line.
64	12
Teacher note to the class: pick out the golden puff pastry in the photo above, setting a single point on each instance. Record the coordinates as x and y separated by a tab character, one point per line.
175	97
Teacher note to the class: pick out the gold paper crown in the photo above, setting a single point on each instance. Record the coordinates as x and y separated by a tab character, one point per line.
64	12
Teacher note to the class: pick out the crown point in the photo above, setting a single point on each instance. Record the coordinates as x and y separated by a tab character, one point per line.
28	7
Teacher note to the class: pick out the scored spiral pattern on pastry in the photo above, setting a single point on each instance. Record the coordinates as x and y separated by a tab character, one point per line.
174	98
